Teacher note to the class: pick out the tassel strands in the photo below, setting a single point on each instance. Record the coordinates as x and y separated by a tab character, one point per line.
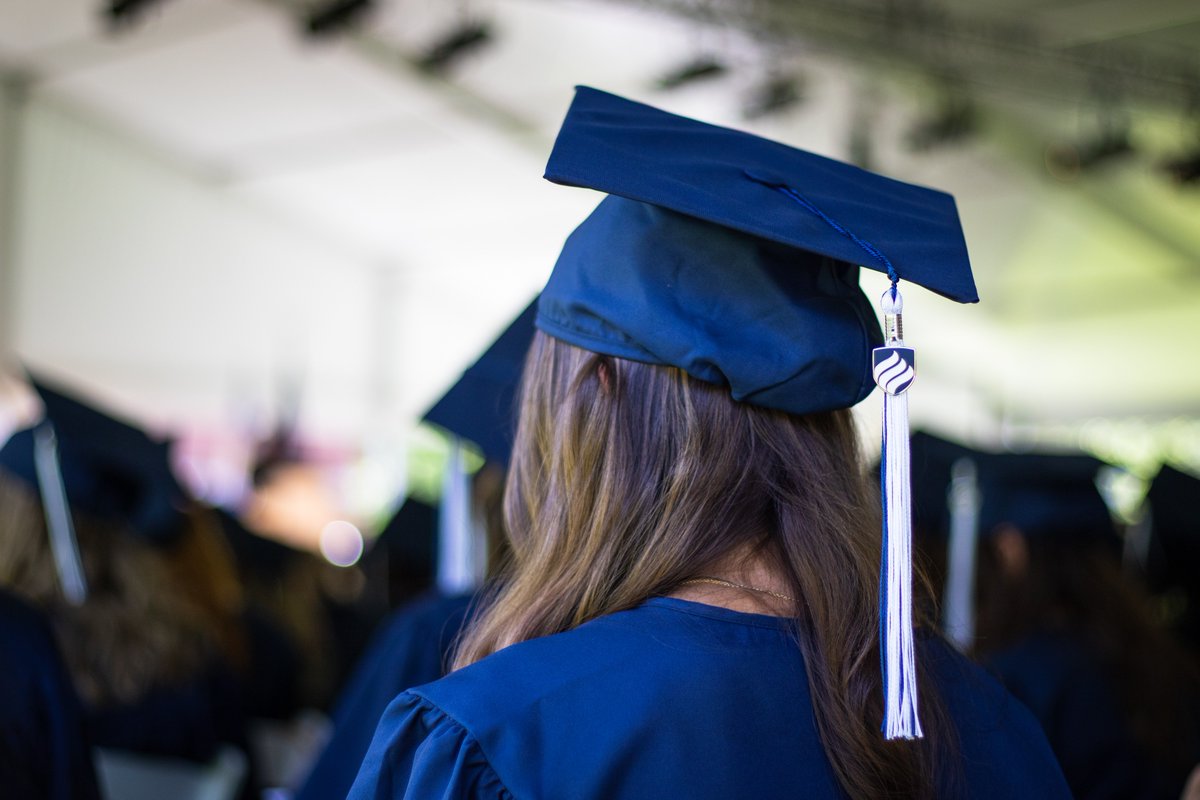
894	365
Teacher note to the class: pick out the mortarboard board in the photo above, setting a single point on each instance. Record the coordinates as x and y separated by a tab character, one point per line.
1174	528
735	259
934	463
945	495
1045	495
699	261
479	407
1042	495
110	469
1173	549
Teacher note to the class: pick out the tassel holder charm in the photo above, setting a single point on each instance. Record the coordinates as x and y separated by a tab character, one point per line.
893	366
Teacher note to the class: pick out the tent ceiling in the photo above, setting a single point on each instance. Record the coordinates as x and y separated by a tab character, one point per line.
418	222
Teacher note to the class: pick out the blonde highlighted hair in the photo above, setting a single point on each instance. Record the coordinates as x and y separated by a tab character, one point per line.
627	479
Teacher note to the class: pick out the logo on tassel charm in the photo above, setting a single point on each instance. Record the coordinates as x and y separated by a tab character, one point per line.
894	368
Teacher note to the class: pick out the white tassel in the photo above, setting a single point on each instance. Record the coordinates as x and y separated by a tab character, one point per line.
63	545
893	370
461	545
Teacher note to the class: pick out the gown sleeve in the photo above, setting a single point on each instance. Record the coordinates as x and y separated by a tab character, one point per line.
419	752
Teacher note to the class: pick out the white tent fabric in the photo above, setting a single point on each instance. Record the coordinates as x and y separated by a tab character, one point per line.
207	205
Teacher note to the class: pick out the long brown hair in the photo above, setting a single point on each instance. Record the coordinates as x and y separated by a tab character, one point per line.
136	631
628	479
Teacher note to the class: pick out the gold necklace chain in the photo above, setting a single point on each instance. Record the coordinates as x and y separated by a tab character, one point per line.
732	585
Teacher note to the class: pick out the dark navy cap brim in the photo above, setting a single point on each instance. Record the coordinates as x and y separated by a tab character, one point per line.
781	328
110	468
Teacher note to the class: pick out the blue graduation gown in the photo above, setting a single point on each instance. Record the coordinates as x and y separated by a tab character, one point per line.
409	650
43	749
669	699
1065	686
190	720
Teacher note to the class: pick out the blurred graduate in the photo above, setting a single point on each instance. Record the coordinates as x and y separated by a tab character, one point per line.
44	748
704	599
414	644
1074	636
95	532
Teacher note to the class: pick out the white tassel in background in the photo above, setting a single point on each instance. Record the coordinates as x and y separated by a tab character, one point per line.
958	607
59	525
462	547
894	372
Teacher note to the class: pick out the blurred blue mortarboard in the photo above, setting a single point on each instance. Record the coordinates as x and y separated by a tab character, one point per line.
410	539
480	406
1045	495
1173	499
110	469
734	257
945	502
934	463
969	494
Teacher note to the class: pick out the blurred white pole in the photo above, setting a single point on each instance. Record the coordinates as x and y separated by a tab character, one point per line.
958	601
460	543
59	525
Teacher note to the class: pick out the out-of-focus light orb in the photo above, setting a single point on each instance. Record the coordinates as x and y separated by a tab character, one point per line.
341	543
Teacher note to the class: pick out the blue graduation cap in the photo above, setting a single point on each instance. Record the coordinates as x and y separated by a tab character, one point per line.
735	259
937	464
1172	550
107	468
480	406
946	502
1042	495
1046	495
1174	529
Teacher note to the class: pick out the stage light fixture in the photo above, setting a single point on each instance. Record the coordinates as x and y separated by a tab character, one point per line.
954	120
700	68
773	96
328	19
461	40
119	14
1068	161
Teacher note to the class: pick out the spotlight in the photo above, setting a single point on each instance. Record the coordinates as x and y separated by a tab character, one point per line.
334	17
773	96
698	69
456	44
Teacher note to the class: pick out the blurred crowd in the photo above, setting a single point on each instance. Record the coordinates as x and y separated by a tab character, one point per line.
157	645
180	636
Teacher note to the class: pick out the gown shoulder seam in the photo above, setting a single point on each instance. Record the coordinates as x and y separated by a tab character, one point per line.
472	739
